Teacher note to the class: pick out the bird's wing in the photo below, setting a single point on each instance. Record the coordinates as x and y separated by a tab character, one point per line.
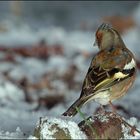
105	72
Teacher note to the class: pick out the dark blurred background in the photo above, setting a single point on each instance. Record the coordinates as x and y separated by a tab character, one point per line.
68	14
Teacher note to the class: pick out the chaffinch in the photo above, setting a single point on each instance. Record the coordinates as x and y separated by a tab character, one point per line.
111	73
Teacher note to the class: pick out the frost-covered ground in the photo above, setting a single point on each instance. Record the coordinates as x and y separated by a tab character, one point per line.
19	117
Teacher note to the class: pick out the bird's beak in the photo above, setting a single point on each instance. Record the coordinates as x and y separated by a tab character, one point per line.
95	43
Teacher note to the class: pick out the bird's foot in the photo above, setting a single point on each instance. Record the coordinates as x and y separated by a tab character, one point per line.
114	109
102	110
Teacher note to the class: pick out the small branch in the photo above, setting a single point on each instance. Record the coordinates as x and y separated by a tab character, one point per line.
126	123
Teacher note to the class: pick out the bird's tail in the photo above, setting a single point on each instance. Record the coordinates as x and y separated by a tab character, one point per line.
72	109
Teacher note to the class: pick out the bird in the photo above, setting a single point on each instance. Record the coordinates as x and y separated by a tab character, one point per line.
111	73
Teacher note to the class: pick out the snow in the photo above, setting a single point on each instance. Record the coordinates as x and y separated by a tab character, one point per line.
133	122
17	35
69	127
54	64
10	91
18	134
103	118
32	65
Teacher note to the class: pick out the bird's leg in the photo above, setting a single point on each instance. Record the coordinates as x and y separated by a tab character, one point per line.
102	110
113	107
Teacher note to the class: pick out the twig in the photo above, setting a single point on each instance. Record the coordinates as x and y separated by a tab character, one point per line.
126	123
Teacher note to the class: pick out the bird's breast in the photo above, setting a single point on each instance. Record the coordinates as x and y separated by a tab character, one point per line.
102	97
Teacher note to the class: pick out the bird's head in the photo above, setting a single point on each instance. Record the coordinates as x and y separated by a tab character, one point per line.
107	36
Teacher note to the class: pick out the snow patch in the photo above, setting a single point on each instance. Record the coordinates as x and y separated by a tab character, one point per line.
72	127
126	130
10	91
18	134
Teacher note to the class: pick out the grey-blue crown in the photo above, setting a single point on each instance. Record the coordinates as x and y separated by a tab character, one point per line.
105	26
